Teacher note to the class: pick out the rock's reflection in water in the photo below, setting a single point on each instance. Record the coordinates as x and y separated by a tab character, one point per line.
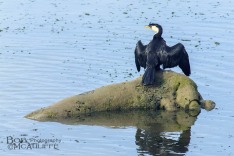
168	136
158	133
157	144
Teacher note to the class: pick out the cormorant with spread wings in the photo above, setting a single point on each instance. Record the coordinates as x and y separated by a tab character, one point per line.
157	53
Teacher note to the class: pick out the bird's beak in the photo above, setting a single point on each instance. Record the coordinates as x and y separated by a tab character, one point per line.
148	27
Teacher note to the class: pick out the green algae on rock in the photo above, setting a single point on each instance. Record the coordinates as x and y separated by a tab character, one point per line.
171	92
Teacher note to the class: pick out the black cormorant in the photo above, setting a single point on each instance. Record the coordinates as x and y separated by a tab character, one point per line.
157	53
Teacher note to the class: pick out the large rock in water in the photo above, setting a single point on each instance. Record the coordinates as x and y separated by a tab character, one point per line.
171	92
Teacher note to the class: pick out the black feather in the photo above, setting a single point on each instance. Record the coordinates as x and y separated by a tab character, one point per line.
140	55
177	55
149	76
157	53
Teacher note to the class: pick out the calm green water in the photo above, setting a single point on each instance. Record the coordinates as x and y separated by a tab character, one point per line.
54	49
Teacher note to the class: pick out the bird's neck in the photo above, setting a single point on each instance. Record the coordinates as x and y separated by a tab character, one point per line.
157	36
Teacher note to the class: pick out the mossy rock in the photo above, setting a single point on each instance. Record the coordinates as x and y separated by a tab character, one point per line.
171	92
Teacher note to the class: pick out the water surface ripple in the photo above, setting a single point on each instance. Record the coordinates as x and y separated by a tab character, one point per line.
53	49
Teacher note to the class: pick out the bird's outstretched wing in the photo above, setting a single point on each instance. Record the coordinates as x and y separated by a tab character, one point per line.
177	55
140	56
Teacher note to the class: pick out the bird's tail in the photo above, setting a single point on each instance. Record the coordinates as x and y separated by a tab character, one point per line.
149	76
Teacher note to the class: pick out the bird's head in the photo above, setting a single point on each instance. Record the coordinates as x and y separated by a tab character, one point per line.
156	28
